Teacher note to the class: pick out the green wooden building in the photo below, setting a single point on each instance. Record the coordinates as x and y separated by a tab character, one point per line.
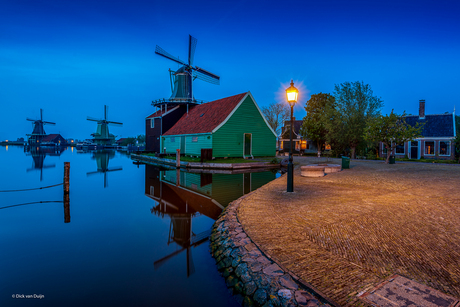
232	127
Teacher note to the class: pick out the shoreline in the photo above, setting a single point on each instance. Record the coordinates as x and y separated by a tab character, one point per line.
253	275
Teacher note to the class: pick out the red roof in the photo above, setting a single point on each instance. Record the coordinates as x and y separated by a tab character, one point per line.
50	137
205	117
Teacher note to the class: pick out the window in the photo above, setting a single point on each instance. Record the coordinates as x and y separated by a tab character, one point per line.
194	139
400	149
152	123
429	148
304	145
173	139
444	148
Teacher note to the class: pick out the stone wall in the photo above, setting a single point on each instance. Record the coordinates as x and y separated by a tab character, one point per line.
254	279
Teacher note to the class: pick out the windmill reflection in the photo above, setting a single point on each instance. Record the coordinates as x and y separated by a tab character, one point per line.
102	158
39	154
184	196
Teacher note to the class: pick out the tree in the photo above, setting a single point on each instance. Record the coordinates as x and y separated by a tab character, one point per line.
141	138
128	141
355	106
314	125
457	138
392	130
276	114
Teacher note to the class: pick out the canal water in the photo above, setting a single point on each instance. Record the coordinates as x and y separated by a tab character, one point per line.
131	235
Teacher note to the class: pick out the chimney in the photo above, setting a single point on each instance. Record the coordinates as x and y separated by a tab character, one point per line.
421	110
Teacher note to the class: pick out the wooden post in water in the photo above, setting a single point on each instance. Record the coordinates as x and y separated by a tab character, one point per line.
178	158
66	192
177	176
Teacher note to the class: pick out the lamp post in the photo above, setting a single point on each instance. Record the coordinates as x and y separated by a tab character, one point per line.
291	93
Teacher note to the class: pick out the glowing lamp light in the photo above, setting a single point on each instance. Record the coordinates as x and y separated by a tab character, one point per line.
292	93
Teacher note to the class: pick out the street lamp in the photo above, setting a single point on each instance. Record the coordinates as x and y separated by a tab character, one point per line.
291	93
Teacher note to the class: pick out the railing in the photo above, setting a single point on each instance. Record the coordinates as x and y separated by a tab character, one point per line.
66	198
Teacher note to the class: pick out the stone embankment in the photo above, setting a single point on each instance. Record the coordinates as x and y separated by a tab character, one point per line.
255	279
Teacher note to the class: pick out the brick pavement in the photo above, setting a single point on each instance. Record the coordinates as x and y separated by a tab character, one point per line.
348	231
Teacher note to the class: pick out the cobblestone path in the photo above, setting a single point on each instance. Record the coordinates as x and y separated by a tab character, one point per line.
348	231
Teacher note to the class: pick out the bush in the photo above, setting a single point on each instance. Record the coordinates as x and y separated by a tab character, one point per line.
371	156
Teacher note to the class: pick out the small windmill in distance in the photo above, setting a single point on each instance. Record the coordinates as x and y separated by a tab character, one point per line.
102	135
38	133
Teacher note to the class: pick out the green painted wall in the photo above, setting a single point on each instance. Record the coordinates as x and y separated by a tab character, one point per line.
191	181
227	141
224	188
260	179
191	148
169	144
194	148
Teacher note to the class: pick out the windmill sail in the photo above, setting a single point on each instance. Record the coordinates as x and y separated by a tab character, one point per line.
182	91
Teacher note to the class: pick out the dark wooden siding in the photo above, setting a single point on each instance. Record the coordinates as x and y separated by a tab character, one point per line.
152	135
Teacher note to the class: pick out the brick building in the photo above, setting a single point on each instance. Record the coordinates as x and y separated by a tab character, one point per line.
437	137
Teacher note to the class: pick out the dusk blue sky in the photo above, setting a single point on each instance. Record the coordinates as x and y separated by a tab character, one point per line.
72	57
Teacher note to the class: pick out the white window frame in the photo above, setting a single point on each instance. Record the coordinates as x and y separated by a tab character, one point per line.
448	147
152	123
404	150
434	148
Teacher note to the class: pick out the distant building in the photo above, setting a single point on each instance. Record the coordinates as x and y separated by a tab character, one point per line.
120	141
300	145
436	141
53	139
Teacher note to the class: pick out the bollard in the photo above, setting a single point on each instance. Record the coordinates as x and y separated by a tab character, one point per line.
178	158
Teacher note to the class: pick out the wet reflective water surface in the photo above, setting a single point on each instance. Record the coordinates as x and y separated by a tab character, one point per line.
131	235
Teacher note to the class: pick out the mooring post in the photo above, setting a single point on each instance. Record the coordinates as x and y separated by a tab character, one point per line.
66	192
66	176
178	158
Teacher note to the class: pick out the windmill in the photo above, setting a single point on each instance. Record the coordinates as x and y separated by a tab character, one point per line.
182	91
39	132
102	160
102	135
39	154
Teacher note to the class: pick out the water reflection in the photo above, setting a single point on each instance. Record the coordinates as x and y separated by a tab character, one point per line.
39	154
102	158
184	196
